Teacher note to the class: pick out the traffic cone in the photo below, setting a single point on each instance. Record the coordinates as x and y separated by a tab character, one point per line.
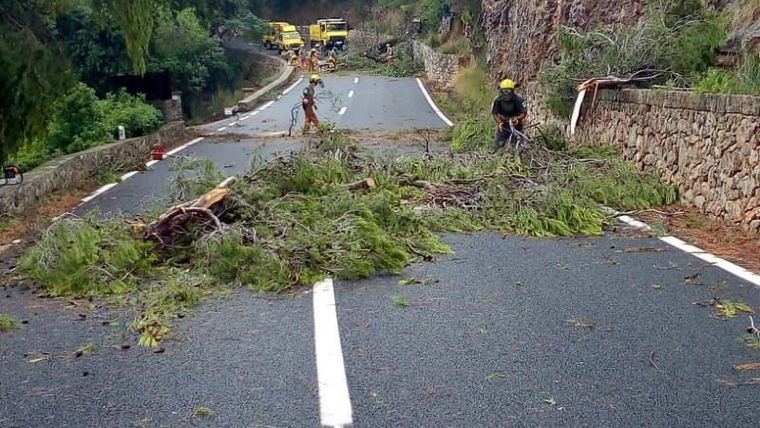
158	152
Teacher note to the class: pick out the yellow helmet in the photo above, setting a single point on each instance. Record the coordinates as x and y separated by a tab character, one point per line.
315	78
507	84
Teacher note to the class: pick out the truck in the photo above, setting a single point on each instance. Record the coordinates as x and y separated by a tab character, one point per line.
269	37
288	38
329	33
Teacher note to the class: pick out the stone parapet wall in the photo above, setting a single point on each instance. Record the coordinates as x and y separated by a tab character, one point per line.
76	169
708	146
439	68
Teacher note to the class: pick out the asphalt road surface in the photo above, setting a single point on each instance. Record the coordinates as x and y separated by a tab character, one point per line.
507	331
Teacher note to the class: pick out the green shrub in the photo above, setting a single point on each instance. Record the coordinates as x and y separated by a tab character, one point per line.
78	122
457	46
138	117
746	80
679	38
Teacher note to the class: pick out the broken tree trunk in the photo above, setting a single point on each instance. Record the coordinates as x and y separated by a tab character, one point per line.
177	218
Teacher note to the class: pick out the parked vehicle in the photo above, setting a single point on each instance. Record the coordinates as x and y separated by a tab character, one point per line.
329	33
288	38
274	28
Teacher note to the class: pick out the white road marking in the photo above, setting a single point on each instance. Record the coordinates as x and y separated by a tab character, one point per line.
291	87
334	399
432	104
633	222
266	106
356	80
350	93
98	192
342	110
151	163
128	175
184	146
245	117
222	128
712	259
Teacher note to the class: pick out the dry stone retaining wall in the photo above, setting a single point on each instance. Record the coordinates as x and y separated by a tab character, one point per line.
708	146
439	68
76	169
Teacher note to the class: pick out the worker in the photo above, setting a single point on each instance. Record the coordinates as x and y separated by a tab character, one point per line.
313	59
309	104
509	110
332	60
388	55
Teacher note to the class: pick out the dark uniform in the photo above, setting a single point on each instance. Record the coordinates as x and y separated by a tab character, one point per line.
508	109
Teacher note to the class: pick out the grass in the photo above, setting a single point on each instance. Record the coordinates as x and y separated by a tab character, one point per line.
400	300
7	323
458	46
203	411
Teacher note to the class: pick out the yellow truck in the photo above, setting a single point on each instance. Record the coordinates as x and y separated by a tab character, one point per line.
288	38
329	33
269	38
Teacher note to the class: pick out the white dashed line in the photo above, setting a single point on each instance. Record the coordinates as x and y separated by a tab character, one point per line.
342	110
356	80
151	163
350	93
99	191
222	128
128	175
432	104
334	399
699	253
291	87
265	106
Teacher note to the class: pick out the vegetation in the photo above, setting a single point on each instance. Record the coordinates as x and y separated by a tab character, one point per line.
296	219
81	121
99	39
677	42
746	80
7	323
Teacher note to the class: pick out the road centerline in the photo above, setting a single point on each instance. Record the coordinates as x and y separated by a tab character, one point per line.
334	400
350	93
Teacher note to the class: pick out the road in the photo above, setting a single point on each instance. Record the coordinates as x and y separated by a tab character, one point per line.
366	103
506	331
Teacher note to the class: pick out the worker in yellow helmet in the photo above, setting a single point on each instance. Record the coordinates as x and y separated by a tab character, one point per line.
309	104
509	111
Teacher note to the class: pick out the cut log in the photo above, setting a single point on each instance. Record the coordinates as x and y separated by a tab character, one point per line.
367	183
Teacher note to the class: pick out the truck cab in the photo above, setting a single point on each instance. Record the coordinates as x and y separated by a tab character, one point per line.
268	40
329	33
288	38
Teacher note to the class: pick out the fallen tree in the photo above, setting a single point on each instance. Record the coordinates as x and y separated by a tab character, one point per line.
329	211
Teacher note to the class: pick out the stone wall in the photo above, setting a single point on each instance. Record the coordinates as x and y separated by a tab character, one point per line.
439	68
76	169
709	145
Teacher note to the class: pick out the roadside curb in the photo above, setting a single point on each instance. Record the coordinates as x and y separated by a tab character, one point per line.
248	102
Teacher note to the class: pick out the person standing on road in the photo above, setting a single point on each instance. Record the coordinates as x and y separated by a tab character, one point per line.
309	104
509	111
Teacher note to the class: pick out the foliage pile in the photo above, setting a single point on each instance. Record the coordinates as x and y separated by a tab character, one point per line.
678	41
369	61
295	219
